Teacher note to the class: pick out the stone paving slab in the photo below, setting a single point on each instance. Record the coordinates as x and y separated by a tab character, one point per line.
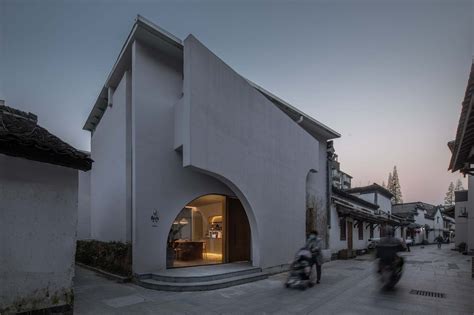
347	287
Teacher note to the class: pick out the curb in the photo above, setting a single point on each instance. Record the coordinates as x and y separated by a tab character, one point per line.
108	275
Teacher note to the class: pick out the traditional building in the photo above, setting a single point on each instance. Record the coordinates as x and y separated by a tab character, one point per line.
196	165
359	215
38	215
462	159
376	194
340	179
429	221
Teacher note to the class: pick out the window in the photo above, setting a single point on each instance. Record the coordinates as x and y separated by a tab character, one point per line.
361	230
371	230
342	225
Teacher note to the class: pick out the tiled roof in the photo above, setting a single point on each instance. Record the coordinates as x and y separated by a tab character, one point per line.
21	136
465	133
353	198
412	207
369	189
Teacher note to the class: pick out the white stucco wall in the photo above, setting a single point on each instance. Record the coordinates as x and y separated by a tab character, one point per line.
370	197
159	180
461	223
38	222
316	191
239	135
335	242
384	203
110	198
438	225
84	206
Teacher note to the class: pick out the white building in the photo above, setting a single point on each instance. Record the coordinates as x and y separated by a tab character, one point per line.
194	164
38	215
358	215
429	221
462	158
375	194
340	179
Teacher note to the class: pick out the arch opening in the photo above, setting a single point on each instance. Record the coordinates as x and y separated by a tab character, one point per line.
211	229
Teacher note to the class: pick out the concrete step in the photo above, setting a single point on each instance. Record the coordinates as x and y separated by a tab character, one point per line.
201	286
205	277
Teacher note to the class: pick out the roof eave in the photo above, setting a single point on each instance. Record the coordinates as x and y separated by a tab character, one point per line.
141	22
313	126
320	128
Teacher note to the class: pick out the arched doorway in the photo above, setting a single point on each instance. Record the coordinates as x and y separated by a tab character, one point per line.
212	229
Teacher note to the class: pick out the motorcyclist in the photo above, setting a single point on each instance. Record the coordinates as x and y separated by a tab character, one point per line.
439	240
388	248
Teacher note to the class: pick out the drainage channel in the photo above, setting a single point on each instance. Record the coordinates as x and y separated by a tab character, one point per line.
428	293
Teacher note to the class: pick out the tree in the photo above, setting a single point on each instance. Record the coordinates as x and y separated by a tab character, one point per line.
383	184
389	182
395	186
458	185
449	199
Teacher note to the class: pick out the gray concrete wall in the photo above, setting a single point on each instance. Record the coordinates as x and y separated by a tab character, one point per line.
238	135
38	222
84	206
110	209
470	210
159	180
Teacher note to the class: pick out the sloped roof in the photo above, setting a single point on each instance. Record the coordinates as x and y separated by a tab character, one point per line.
21	136
157	37
431	212
449	211
464	141
353	198
412	207
370	189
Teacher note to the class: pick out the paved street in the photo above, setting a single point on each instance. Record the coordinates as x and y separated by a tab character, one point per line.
347	287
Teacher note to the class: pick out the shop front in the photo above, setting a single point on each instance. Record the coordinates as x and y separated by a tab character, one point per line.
212	229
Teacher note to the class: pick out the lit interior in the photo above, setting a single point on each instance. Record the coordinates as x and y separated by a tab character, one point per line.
197	233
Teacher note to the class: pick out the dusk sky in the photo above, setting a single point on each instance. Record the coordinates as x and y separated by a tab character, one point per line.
388	75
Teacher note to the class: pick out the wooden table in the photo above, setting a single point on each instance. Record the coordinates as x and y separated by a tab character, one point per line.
188	250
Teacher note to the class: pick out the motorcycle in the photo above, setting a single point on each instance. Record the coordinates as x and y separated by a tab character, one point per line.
390	273
390	266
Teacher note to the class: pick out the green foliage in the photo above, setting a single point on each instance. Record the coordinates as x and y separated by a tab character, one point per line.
393	186
113	257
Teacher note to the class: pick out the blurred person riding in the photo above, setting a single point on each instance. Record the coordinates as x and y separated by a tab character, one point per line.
439	240
390	265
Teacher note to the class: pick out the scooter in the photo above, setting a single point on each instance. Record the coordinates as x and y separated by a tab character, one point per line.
390	274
